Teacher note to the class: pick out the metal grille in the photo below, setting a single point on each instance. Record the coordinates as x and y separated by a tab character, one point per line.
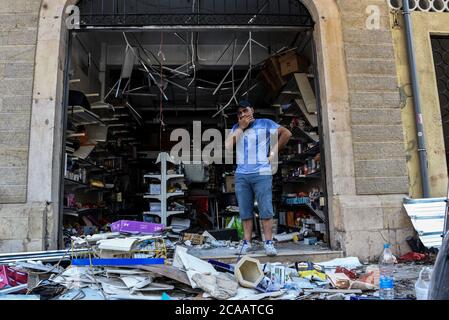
440	46
139	13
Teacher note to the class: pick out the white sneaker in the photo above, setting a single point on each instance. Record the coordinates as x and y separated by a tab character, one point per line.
270	250
244	247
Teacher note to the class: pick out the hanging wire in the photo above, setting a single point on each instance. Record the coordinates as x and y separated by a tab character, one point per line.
192	59
161	115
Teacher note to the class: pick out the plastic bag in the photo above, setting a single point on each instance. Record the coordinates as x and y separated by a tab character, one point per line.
423	283
238	225
235	223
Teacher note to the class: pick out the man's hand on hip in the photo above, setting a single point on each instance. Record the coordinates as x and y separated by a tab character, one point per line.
272	156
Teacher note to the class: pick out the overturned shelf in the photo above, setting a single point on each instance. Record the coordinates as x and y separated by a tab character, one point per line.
311	151
305	134
81	116
318	213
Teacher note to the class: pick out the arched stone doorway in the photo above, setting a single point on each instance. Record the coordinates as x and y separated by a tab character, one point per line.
44	174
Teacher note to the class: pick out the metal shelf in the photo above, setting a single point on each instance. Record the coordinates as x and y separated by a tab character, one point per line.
71	182
312	151
305	134
318	213
300	158
314	175
169	213
159	177
78	184
289	115
91	164
80	116
158	196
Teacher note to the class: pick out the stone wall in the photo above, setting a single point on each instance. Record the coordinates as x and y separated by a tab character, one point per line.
379	155
18	29
424	24
364	223
23	225
374	215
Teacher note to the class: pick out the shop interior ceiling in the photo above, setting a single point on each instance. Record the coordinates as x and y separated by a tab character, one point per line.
203	73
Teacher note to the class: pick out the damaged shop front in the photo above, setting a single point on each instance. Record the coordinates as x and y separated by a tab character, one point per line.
148	111
116	90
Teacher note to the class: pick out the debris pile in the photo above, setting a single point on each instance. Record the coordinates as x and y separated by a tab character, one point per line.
144	261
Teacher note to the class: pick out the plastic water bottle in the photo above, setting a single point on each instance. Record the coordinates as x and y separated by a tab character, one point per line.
386	267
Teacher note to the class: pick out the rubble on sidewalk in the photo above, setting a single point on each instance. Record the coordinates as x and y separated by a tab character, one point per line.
158	266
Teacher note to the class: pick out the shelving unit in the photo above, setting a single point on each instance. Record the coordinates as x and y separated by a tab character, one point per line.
163	197
85	176
301	116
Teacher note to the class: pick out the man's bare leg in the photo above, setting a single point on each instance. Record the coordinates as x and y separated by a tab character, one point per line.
267	229
248	229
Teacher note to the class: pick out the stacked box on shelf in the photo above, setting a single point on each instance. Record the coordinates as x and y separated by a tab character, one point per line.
298	200
154	189
291	62
155	206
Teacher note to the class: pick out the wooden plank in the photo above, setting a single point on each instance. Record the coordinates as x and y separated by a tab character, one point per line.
311	118
306	91
288	257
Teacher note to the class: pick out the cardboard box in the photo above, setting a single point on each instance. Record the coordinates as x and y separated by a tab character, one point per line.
272	74
291	62
230	184
155	206
195	239
155	189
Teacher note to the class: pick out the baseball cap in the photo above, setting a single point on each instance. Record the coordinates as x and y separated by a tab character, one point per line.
245	104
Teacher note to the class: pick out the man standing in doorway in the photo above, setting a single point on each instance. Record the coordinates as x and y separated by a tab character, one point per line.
254	175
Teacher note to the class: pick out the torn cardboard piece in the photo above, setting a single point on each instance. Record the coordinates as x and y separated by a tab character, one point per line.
339	280
222	286
191	264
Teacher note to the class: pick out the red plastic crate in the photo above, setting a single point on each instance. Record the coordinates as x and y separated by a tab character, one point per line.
11	277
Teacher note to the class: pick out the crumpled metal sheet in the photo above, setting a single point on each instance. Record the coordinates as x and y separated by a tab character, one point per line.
427	216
